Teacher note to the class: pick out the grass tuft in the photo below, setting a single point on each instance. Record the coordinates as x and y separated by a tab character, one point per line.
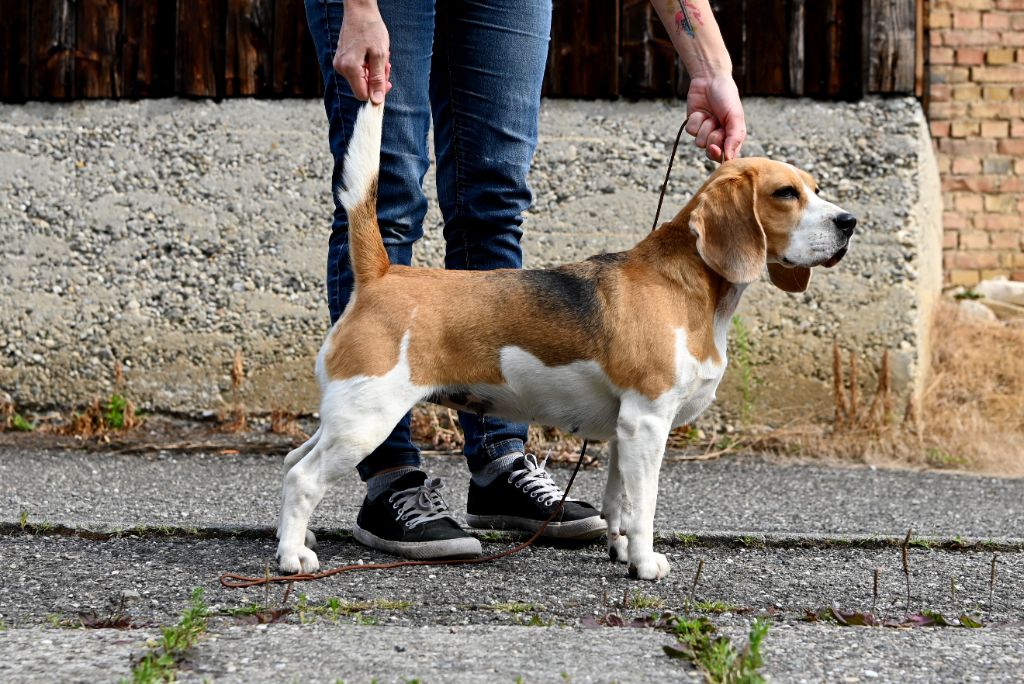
161	661
715	655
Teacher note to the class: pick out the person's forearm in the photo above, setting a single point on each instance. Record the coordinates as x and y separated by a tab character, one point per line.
695	35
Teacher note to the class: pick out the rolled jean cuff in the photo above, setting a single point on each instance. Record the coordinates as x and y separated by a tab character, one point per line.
393	460
503	448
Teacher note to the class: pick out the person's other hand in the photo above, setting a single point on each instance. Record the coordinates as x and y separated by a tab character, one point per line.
716	116
363	50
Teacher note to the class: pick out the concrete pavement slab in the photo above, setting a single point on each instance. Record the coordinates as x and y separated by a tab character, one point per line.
65	576
41	654
741	494
777	540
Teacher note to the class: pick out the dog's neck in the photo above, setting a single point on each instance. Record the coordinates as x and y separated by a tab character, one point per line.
671	251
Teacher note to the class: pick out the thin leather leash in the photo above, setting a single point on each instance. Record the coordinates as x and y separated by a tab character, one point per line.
232	580
668	171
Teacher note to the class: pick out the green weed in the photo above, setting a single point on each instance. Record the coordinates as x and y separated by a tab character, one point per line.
159	663
114	411
640	601
940	458
715	607
535	621
715	655
514	607
20	424
367	620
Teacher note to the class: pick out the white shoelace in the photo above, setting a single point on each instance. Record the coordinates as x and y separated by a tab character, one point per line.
421	504
536	481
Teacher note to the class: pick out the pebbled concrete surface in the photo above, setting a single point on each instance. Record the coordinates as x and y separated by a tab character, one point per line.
111	491
168	233
53	575
523	616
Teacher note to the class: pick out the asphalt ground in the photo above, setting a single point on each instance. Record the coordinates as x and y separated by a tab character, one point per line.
85	536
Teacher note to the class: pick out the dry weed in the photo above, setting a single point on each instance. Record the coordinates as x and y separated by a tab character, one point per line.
6	409
970	416
235	420
437	426
284	422
101	418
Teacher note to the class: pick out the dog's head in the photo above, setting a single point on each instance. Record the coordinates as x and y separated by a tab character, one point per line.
755	211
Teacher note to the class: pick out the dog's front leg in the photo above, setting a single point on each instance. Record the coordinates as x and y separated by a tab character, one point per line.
641	436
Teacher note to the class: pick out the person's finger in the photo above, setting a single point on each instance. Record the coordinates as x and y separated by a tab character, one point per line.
701	139
376	80
694	121
352	69
715	140
735	134
714	153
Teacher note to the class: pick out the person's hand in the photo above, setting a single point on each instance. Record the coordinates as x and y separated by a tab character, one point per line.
716	116
363	50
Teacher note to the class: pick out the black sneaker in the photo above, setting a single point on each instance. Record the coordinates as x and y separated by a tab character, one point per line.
524	498
412	520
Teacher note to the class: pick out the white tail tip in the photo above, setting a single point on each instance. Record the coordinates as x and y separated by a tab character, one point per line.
362	159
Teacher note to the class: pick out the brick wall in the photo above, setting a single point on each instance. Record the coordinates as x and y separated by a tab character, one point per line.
976	111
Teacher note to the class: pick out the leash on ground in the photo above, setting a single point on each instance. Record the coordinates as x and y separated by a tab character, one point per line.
233	580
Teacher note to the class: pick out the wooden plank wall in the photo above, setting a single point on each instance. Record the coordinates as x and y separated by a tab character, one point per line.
68	49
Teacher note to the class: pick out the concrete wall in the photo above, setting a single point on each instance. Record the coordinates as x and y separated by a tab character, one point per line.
168	234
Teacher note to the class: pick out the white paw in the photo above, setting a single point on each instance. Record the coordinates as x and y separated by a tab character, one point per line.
617	547
300	560
310	539
653	566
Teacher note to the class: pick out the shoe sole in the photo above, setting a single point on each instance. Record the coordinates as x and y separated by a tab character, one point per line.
462	547
583	529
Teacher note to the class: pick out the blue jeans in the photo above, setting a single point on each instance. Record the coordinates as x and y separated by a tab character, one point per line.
476	68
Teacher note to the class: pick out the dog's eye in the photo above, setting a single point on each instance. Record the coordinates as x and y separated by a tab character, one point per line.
788	192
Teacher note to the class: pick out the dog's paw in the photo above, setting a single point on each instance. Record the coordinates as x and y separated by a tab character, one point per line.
294	561
310	539
618	545
651	567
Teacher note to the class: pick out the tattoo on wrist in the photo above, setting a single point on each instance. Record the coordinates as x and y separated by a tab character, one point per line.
688	18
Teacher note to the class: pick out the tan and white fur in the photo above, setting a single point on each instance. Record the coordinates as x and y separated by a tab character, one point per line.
620	347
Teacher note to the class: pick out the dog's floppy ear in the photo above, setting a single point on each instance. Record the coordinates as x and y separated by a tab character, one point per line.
789	279
730	238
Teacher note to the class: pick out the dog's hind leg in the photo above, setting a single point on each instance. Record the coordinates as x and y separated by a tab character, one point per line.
356	416
612	507
298	453
293	457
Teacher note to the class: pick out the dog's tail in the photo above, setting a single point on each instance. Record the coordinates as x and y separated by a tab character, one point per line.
357	192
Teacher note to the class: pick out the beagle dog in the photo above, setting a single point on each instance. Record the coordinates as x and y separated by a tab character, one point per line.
620	347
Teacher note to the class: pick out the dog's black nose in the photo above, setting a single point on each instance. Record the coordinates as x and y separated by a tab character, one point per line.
846	222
